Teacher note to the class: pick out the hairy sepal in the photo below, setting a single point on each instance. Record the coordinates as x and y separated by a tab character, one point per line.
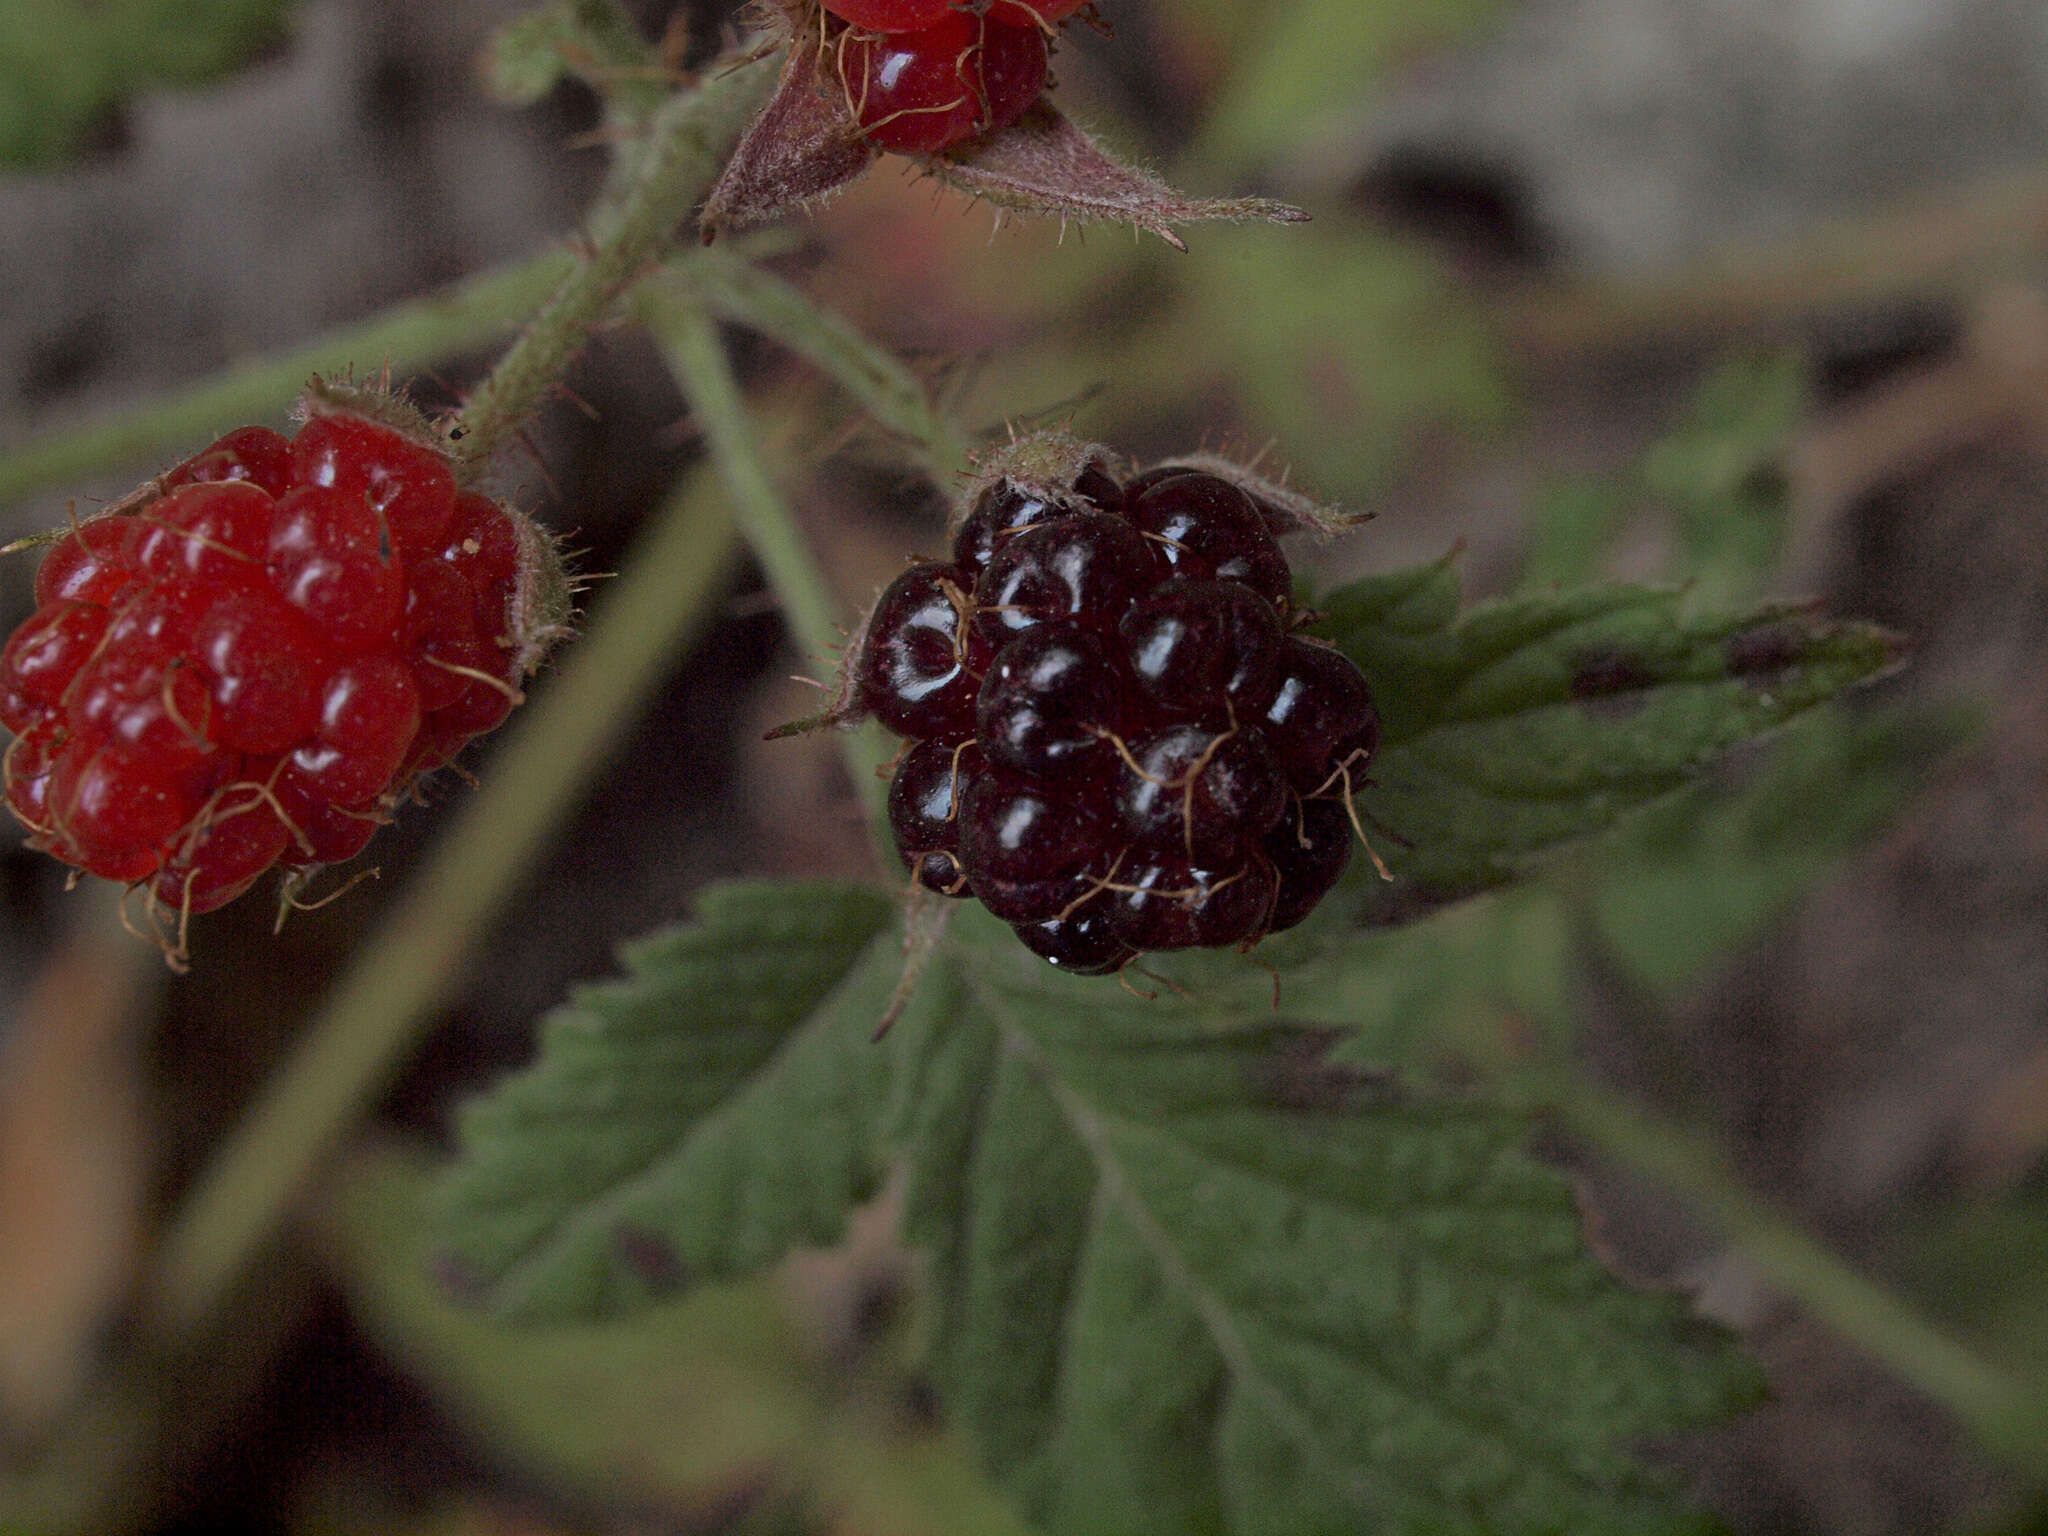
804	147
1044	164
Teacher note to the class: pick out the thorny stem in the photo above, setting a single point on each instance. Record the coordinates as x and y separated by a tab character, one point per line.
657	183
467	314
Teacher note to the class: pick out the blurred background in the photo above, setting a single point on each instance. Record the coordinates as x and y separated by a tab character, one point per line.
1577	268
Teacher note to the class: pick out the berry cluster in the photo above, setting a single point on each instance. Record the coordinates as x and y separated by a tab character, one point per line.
923	75
247	662
1119	744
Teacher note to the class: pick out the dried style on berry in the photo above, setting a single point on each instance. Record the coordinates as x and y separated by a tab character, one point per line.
250	660
958	86
1119	740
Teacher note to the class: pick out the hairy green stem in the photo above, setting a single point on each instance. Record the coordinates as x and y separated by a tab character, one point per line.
697	357
740	291
378	1008
684	144
467	314
2007	1413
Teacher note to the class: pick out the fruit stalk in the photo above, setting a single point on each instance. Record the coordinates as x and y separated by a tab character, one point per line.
655	184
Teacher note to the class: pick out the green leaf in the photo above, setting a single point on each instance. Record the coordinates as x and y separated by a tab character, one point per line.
1191	1274
673	1408
1695	878
1185	1271
1525	723
65	64
698	1118
1717	479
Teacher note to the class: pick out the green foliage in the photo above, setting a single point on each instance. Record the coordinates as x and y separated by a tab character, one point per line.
1717	479
662	1409
64	64
640	1154
1186	1273
1534	720
1193	1266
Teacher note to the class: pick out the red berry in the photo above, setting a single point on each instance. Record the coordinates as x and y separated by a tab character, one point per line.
88	565
31	763
483	546
215	533
322	832
44	656
1033	13
921	92
890	15
145	704
118	811
409	485
255	454
240	672
440	633
266	663
369	714
330	558
223	854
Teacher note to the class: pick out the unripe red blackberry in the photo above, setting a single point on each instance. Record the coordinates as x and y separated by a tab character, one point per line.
1118	746
247	662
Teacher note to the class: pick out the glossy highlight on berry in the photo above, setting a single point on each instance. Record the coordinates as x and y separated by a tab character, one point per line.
1152	760
245	664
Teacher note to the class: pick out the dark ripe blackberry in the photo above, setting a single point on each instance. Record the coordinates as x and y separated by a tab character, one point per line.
1277	521
1085	565
1099	486
1082	945
1030	901
1309	850
940	872
1001	510
1207	529
1202	647
920	667
1200	793
1049	697
1014	828
1166	902
1320	700
924	802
